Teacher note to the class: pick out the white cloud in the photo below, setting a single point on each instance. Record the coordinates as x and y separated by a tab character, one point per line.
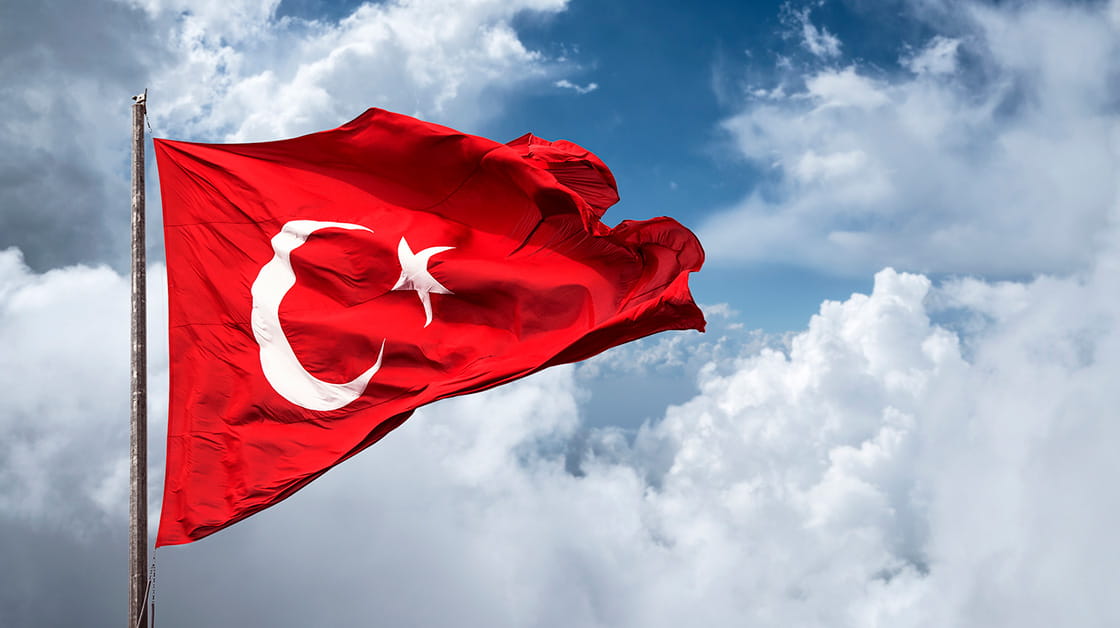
844	89
272	77
1001	165
817	40
56	405
812	166
579	89
938	57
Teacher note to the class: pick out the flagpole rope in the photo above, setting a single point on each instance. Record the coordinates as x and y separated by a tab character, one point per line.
149	597
147	118
152	598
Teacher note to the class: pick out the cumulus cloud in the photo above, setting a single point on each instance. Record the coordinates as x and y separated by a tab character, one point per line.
987	151
46	321
256	77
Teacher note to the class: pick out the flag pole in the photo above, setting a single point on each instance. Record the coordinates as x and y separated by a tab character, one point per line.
138	441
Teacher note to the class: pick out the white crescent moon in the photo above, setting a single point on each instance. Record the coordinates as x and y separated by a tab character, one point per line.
281	366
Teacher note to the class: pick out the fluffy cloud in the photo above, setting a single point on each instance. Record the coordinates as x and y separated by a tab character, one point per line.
987	151
54	401
254	76
579	89
817	40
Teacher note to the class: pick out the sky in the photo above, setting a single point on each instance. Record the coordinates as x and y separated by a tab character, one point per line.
903	412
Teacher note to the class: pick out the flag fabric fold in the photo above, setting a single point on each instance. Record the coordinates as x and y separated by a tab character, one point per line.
321	288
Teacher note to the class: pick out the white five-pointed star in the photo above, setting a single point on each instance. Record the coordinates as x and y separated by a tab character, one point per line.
415	275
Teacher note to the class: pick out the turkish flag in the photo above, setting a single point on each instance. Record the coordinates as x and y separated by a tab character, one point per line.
321	288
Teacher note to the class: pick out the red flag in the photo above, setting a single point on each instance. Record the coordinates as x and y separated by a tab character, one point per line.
321	288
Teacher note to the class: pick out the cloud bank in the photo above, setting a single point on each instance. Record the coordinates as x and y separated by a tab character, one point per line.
925	454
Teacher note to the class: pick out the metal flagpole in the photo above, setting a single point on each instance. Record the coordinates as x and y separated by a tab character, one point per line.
138	442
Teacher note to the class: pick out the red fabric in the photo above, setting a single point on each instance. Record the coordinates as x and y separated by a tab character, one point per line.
574	167
534	279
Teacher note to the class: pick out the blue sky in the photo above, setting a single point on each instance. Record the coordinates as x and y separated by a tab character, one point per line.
903	411
654	117
666	79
